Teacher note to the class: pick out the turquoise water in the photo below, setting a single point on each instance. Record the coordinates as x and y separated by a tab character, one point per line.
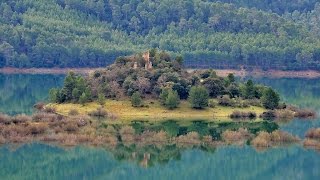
19	92
39	161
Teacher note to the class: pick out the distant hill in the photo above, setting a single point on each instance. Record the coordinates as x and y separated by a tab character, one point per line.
269	34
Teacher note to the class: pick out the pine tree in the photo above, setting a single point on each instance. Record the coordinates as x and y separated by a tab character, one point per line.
172	100
270	99
101	99
163	95
198	97
136	99
83	99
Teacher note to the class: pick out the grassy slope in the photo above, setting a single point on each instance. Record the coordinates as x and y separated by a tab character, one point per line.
155	112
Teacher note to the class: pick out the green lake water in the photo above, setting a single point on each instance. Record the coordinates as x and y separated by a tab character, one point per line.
40	161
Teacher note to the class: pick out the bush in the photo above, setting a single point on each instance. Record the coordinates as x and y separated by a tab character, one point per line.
243	115
70	126
37	128
225	100
22	118
82	120
73	112
198	97
39	106
5	119
212	103
100	112
101	99
163	95
46	117
284	114
268	115
270	99
253	102
313	133
305	113
172	100
49	110
136	100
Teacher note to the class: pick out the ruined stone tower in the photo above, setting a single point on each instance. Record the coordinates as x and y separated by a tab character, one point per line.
148	63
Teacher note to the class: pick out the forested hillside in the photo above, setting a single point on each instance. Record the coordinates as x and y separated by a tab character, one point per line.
282	34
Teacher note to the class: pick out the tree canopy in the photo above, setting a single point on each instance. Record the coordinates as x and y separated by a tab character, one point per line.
220	34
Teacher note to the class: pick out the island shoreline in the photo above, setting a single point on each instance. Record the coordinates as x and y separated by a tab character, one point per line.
220	72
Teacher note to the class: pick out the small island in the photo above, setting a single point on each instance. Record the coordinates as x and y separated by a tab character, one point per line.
149	99
154	86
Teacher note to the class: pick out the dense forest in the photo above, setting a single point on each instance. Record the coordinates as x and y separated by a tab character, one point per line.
208	33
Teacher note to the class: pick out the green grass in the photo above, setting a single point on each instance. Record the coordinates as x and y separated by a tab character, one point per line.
155	111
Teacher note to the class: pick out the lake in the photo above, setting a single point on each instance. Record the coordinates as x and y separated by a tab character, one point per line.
42	161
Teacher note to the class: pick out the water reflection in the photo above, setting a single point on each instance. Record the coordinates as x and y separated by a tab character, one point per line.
38	161
19	92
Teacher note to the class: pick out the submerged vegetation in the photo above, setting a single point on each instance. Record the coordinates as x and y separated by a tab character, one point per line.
47	126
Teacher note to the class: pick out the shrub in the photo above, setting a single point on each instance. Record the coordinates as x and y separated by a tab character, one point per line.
73	112
70	126
212	103
253	102
100	112
163	95
198	97
270	99
2	140
83	98
22	118
39	106
101	99
136	100
284	114
46	117
282	106
313	133
225	100
82	120
37	128
268	115
48	109
172	100
5	119
239	115
304	113
110	130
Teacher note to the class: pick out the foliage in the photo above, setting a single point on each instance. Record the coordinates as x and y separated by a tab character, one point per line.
74	89
270	99
198	97
172	100
136	100
101	99
78	33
